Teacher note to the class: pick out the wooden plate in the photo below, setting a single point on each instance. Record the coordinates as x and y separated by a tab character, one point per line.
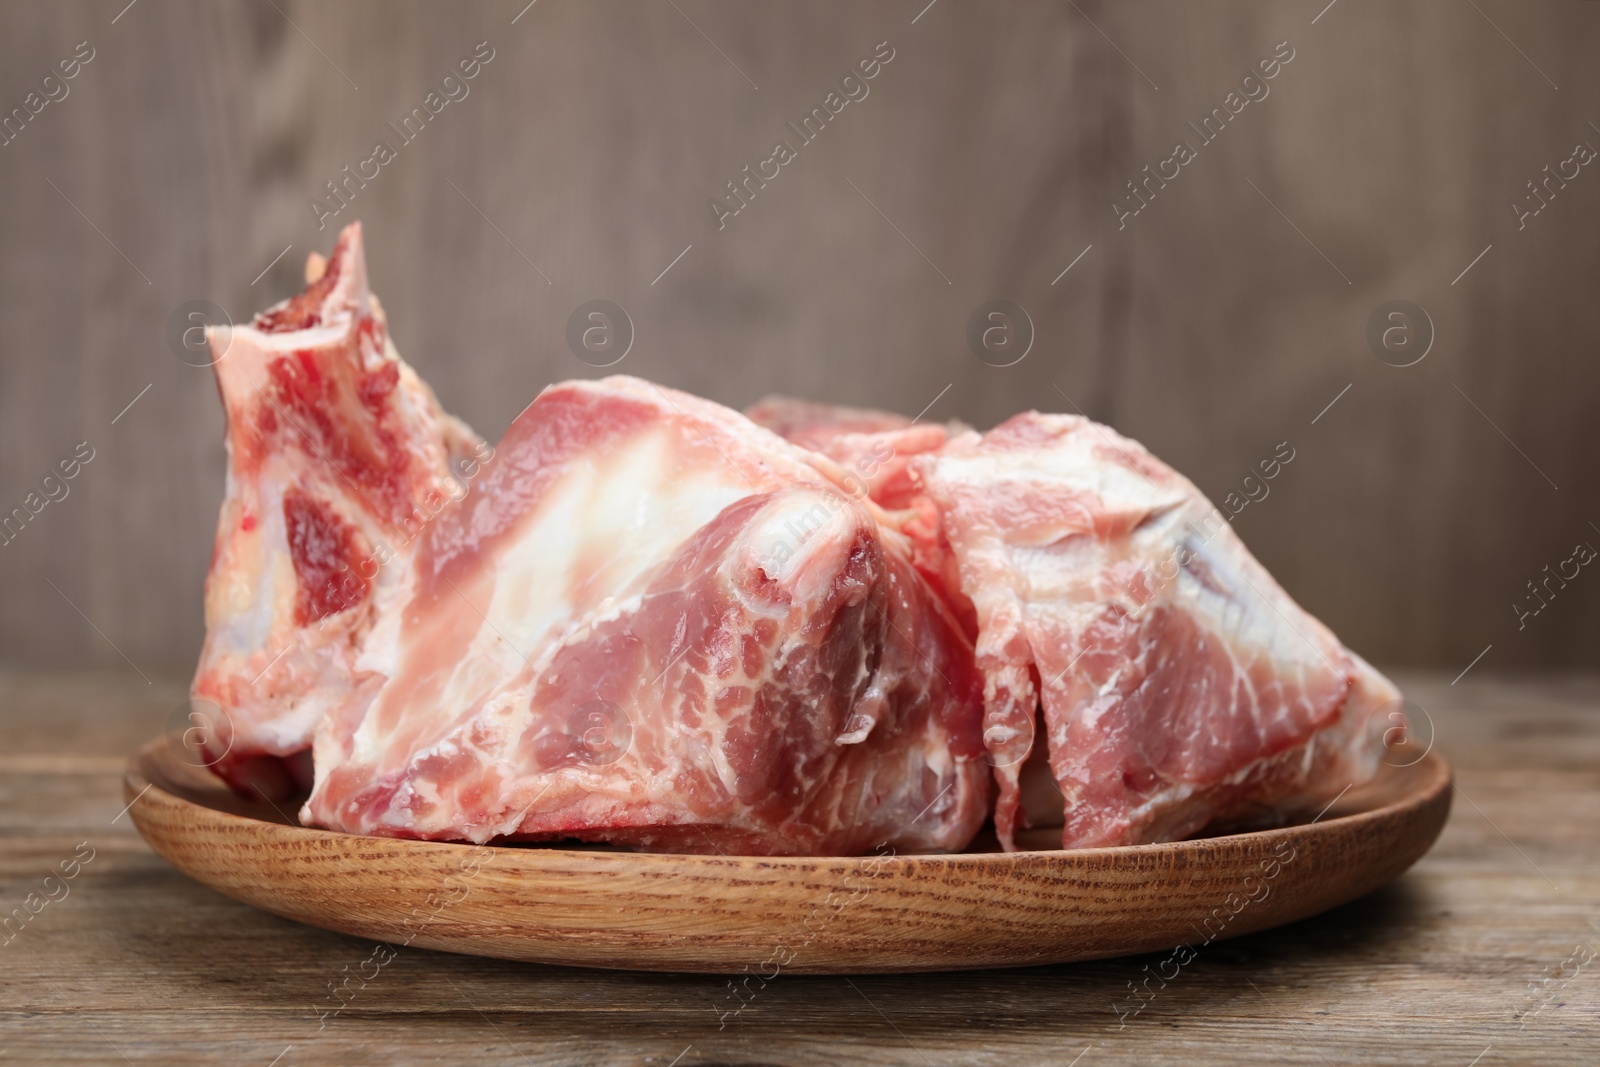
602	908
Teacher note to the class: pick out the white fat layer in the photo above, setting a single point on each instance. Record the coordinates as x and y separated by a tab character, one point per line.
1083	467
608	521
328	332
800	542
245	596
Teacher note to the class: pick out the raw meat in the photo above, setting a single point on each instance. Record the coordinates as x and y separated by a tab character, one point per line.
657	624
873	447
1181	687
338	457
648	621
871	453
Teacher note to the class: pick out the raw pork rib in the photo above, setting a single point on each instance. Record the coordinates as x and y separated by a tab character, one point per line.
338	455
1180	685
657	624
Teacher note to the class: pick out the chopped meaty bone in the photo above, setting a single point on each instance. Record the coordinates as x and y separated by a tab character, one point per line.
1181	685
338	456
658	625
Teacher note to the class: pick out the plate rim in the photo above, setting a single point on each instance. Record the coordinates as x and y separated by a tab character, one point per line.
551	903
1442	780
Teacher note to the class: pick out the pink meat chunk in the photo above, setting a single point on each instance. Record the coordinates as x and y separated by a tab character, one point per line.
1181	687
338	454
656	624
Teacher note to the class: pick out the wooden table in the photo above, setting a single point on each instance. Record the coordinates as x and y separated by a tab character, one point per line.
1478	955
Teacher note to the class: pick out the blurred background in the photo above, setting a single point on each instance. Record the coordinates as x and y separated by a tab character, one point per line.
1235	306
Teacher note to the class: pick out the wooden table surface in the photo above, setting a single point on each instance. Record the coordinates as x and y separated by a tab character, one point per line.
1480	955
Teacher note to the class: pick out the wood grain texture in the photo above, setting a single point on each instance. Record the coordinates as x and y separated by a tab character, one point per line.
1432	969
773	915
984	160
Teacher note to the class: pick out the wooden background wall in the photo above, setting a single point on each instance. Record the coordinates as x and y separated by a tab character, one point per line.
1220	321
